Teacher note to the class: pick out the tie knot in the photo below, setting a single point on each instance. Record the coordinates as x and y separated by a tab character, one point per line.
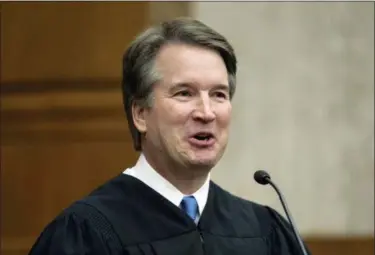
190	206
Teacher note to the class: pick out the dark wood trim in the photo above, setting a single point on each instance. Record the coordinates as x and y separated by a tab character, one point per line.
23	137
18	117
63	111
341	245
1	41
23	87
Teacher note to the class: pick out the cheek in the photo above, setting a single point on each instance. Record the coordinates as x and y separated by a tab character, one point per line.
175	114
171	120
224	117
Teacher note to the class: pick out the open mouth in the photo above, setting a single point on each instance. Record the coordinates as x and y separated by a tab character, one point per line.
202	139
203	136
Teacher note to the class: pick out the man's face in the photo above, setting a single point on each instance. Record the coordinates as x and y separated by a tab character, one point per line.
189	119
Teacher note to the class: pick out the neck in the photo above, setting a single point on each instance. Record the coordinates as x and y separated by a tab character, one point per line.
186	180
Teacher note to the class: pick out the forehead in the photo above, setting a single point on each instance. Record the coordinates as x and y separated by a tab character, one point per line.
182	63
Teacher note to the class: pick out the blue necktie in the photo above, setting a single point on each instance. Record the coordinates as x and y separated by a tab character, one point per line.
190	206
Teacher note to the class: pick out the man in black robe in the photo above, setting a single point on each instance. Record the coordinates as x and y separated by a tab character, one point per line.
178	81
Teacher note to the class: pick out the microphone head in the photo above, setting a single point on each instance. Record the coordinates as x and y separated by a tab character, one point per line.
262	177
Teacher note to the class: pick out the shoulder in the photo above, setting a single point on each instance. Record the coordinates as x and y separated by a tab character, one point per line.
247	219
83	223
239	204
100	205
76	228
255	219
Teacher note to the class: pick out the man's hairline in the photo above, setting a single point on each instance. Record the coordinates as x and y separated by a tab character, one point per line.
154	71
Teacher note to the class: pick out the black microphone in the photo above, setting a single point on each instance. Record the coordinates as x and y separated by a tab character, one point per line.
262	177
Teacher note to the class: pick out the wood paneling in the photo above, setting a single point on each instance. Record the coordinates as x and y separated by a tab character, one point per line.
63	114
63	127
56	146
54	153
341	246
67	40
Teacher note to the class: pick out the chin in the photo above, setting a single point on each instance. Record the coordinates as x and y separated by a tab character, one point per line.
203	161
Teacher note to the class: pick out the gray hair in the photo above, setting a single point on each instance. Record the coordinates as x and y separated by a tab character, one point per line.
139	74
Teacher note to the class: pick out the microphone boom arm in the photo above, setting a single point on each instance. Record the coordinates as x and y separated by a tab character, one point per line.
288	214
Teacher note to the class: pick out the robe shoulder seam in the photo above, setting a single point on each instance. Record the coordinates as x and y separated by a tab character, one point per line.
97	220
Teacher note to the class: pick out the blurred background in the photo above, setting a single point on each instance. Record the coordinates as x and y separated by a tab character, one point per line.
304	110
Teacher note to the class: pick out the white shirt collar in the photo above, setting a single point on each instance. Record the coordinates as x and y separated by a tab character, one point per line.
145	173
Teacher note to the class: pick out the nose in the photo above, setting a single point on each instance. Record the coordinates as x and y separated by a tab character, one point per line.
204	112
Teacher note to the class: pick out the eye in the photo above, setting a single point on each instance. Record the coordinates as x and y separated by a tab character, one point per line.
183	93
221	94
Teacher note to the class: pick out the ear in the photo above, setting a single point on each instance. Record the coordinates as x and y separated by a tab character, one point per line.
139	120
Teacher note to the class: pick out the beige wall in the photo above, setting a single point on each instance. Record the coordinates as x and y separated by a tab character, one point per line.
303	109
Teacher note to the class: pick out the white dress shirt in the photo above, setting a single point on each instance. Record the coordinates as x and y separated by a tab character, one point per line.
145	173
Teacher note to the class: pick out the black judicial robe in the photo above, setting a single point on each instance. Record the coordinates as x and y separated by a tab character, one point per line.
125	216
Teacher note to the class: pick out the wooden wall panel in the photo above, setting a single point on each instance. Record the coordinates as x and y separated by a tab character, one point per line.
55	150
341	245
67	40
63	127
64	114
42	179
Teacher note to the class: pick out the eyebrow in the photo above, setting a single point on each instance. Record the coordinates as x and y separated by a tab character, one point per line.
223	87
187	85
